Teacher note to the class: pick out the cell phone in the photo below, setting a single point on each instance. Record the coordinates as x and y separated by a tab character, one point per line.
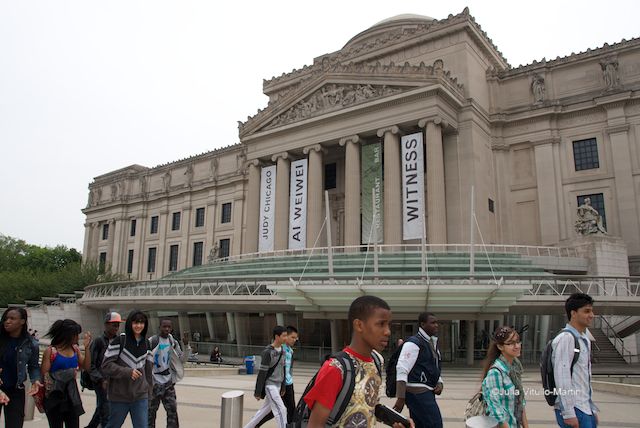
389	416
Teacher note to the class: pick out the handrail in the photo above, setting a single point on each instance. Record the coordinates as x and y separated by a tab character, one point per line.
608	331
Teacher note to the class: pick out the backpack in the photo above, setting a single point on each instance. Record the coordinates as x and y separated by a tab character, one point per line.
302	413
390	380
546	367
86	382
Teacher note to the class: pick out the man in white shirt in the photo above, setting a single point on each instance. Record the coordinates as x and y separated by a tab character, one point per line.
418	378
574	406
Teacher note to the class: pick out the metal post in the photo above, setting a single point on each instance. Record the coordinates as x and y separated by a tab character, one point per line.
231	409
472	261
329	245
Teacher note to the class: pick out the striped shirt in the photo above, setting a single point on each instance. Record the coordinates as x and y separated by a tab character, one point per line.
574	391
500	393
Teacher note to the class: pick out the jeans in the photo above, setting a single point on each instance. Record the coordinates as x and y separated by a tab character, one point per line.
14	410
101	415
424	410
139	411
584	420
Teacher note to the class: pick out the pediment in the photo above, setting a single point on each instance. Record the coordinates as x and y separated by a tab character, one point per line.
343	86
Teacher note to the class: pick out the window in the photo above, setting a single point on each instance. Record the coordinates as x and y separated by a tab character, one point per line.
133	227
102	262
173	258
491	205
225	245
197	253
585	154
175	221
330	176
105	231
151	262
597	202
226	213
154	224
130	262
199	217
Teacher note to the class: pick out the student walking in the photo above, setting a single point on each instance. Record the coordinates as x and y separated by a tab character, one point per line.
501	385
18	359
127	366
112	323
60	364
574	405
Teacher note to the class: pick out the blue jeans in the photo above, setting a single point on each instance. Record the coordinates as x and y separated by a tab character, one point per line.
139	411
584	420
424	410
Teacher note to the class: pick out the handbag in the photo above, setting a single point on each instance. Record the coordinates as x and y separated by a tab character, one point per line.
476	406
44	390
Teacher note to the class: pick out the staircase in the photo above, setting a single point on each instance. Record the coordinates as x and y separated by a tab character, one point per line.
603	352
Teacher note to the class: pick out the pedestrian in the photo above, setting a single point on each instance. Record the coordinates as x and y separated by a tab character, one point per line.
369	318
18	359
164	374
574	406
502	385
127	366
270	384
418	374
112	323
216	355
59	367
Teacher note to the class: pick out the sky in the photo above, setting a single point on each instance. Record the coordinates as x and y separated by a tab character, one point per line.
87	87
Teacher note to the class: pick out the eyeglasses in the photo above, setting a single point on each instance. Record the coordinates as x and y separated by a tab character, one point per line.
510	343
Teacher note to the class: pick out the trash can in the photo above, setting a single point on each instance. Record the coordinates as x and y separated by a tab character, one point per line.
249	362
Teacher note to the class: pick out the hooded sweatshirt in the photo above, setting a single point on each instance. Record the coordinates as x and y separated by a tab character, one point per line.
118	365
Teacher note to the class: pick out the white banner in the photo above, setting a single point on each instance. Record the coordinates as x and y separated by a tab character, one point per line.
412	186
298	205
267	208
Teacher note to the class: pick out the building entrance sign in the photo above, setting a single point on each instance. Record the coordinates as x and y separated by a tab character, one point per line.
298	205
267	209
372	221
412	186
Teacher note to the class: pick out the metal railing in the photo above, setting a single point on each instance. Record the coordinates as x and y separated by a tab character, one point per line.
601	323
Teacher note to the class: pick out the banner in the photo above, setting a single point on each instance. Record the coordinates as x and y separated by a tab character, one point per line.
267	208
372	211
298	205
412	186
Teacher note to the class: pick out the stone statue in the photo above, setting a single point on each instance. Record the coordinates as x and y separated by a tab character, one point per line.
121	189
538	88
189	174
90	201
610	73
114	192
166	181
98	195
213	253
143	185
213	168
589	221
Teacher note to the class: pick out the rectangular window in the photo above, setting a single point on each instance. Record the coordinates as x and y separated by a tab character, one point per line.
491	205
102	263
199	217
597	202
105	231
226	213
151	262
330	176
173	258
585	154
130	262
133	227
154	224
197	253
175	221
225	245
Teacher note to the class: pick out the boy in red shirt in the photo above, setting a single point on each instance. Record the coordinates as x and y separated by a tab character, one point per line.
369	317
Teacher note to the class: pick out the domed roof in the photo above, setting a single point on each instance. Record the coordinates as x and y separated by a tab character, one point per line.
398	22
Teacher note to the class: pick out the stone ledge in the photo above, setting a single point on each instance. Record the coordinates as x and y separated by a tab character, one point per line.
616	388
209	371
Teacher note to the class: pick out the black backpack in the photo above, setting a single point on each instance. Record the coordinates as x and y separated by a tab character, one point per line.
302	413
390	380
546	367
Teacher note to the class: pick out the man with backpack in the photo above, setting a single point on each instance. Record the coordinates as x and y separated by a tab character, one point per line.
97	379
574	406
270	383
164	374
418	378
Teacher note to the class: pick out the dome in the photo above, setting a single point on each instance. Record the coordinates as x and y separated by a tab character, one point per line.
392	24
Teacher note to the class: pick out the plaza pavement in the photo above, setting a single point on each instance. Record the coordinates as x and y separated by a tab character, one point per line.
199	399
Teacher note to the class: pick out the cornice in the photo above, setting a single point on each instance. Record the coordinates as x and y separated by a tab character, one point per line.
617	129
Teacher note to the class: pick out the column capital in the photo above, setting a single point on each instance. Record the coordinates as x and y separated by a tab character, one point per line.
350	139
95	224
617	128
436	120
250	163
393	129
283	155
313	147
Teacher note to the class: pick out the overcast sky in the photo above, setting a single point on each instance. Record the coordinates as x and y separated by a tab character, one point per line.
87	87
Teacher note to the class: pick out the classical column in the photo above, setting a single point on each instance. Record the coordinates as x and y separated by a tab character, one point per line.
351	191
110	247
210	325
281	241
185	231
315	187
470	340
163	224
436	205
253	208
392	179
95	239
547	201
87	242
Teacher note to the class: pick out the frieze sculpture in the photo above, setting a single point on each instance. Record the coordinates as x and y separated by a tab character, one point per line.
189	175
538	88
610	73
589	221
213	253
143	185
114	192
166	181
213	169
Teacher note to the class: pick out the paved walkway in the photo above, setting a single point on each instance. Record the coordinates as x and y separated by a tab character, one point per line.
199	400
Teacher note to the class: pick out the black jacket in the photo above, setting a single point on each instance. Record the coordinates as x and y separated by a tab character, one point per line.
64	394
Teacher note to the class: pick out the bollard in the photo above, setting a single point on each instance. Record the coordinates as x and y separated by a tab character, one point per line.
231	409
481	422
29	403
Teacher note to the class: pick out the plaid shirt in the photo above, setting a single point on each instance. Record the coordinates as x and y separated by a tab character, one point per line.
499	393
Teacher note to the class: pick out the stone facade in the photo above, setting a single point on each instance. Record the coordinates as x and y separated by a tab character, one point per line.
508	132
